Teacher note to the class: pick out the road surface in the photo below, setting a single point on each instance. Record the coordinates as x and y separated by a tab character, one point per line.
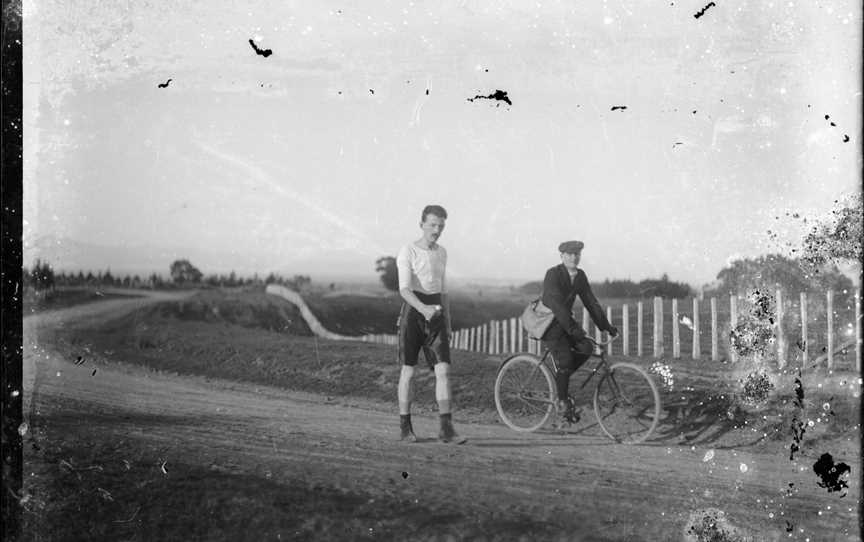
584	485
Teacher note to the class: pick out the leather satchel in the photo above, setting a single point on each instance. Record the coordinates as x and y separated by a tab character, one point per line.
536	318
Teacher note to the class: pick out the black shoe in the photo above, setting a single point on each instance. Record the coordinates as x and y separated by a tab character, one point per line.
406	429
567	412
447	433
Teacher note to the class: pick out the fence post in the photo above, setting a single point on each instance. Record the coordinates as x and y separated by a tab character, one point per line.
733	321
639	311
804	347
660	325
506	330
676	335
697	347
483	338
858	330
715	352
609	317
585	319
656	329
520	332
830	312
781	345
625	329
513	327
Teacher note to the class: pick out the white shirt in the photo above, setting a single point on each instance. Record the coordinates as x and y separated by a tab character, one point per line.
421	269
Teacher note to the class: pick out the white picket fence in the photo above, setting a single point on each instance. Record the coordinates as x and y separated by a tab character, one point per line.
507	336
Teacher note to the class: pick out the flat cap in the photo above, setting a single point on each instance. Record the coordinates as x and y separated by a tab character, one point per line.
571	246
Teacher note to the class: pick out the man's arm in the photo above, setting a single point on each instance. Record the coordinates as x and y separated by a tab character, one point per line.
590	302
403	270
445	302
556	300
428	311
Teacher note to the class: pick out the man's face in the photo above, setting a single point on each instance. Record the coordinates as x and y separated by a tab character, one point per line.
571	260
432	227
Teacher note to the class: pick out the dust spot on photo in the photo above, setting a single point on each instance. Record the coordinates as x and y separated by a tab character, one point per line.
754	332
498	95
832	476
711	524
837	238
757	386
702	11
258	51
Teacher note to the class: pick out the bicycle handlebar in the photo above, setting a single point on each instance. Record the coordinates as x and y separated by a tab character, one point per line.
601	343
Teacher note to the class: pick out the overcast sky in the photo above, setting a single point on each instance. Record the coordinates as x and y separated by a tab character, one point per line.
319	157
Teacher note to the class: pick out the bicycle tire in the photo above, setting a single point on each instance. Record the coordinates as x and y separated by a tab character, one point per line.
626	398
524	393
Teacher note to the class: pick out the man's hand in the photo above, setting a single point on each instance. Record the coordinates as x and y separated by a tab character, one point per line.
429	311
613	331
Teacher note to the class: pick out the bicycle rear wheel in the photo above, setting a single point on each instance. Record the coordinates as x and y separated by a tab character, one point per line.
524	393
627	404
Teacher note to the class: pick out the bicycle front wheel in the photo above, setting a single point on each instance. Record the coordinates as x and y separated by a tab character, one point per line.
627	404
524	393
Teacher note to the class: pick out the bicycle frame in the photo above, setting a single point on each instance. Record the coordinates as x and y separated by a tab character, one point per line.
551	364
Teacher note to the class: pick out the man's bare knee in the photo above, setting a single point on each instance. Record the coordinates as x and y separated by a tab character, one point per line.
407	372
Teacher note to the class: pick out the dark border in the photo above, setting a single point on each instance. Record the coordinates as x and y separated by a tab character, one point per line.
11	192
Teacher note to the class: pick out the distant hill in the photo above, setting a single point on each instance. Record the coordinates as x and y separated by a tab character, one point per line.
66	254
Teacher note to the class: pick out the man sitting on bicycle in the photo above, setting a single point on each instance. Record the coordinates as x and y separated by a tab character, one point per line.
565	338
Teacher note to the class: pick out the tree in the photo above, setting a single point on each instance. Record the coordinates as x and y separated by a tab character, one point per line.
386	267
42	276
776	271
837	240
182	272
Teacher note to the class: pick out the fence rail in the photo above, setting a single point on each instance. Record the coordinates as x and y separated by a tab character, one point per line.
812	325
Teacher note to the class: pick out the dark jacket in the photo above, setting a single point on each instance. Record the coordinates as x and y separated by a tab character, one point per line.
559	294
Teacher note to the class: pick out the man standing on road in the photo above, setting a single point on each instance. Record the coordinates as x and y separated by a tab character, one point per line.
565	338
424	321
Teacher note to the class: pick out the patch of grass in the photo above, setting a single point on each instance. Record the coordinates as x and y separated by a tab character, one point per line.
358	314
61	298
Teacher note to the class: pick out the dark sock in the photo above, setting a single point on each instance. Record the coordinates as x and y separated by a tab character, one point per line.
562	382
405	420
446	418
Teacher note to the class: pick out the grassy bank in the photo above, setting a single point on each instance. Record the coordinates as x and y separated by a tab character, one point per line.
250	337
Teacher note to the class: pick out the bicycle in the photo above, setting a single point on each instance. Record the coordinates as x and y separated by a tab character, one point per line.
626	401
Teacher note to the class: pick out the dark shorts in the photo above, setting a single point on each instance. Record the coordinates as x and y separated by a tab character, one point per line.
416	334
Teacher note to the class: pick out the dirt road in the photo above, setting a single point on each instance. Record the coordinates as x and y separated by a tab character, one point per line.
532	486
